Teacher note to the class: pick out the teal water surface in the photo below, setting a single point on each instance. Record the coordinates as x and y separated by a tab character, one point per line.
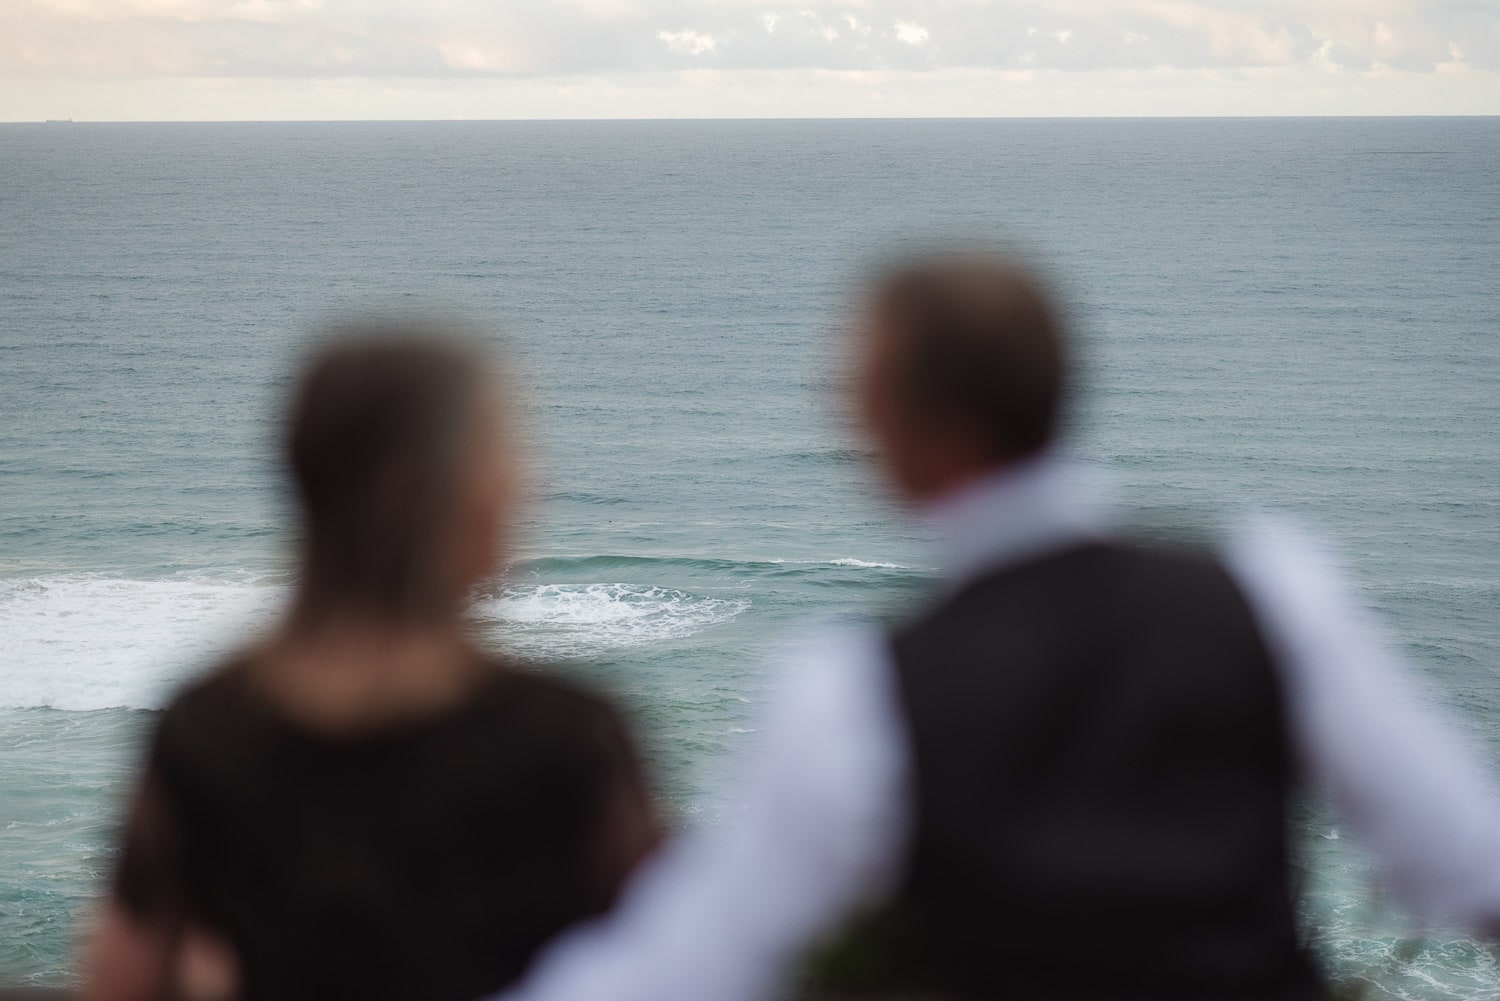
1298	312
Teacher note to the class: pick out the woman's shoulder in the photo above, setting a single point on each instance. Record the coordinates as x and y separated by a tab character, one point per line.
511	708
219	687
230	683
537	693
538	711
206	714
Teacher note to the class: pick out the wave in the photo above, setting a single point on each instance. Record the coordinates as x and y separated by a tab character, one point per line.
81	642
585	497
837	454
588	564
574	620
543	565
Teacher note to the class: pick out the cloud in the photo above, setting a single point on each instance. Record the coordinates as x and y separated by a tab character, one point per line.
331	37
911	34
691	42
577	43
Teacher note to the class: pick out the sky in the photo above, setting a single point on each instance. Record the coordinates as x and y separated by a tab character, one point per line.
134	60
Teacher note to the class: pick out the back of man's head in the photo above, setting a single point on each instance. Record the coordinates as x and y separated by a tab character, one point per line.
971	357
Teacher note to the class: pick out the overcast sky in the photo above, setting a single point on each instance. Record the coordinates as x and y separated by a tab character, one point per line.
294	59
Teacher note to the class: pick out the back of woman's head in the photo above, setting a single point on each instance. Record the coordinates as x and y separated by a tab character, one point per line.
381	426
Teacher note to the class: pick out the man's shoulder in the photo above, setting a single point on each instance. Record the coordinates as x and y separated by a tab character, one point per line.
1101	559
1087	578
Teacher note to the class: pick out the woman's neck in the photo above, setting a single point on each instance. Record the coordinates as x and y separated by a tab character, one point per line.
350	673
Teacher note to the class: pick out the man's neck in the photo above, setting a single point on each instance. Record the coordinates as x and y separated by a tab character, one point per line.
1024	508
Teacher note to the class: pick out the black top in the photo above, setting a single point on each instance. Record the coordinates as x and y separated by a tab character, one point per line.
1102	769
429	859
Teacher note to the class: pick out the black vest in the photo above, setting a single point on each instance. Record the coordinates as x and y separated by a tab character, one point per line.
1102	770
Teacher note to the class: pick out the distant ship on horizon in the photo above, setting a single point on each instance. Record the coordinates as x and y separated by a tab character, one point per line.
59	121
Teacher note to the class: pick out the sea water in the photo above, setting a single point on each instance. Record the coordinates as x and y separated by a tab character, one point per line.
1294	312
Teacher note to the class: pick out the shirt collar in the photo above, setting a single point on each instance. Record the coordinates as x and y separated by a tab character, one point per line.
1026	509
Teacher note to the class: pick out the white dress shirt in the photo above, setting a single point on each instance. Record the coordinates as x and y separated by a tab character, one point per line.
827	798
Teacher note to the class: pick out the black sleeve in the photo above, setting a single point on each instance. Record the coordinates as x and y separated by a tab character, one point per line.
147	879
627	824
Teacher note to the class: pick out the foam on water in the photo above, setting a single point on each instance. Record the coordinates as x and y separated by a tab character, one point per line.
82	641
573	620
578	564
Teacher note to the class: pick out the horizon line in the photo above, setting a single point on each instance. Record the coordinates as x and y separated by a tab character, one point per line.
746	118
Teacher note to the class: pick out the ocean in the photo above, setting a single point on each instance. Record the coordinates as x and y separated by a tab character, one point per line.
1294	312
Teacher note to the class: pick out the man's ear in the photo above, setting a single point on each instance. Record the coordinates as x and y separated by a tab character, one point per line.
935	455
961	454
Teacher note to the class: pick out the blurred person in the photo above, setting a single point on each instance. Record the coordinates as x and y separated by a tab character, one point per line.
364	804
1068	775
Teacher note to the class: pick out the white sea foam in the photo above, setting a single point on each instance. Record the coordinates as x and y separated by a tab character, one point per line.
571	620
847	561
85	641
82	642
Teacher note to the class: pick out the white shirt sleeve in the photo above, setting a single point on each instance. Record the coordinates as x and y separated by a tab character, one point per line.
1412	791
720	915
